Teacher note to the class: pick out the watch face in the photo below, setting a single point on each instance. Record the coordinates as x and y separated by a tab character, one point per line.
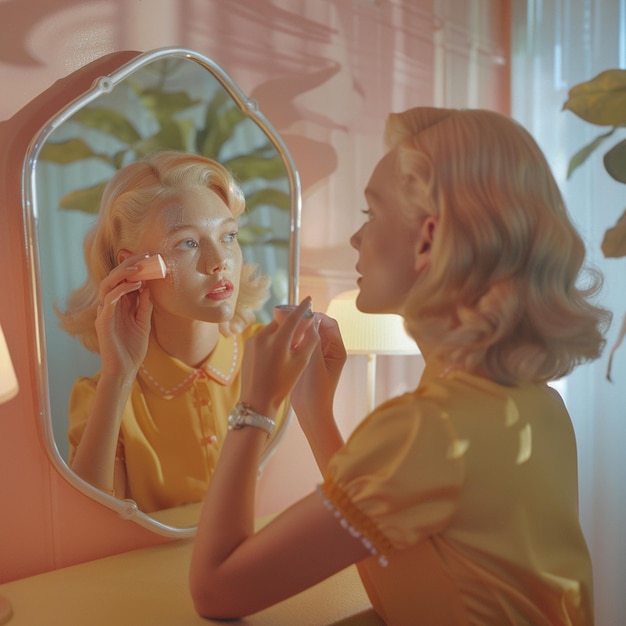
235	419
243	416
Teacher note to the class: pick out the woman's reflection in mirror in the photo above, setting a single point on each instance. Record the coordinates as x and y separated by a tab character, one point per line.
150	424
458	501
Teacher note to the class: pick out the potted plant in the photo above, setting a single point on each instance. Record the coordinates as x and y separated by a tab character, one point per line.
602	101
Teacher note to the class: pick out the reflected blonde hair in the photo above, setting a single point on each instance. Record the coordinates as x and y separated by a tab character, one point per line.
501	296
127	204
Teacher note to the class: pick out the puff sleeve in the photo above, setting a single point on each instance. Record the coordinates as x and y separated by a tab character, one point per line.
398	478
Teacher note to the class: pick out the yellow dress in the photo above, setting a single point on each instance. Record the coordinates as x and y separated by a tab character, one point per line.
466	493
173	424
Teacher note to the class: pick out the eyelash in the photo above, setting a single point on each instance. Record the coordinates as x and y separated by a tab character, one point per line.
368	213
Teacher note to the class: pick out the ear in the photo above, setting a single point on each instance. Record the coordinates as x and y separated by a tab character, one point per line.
424	242
123	254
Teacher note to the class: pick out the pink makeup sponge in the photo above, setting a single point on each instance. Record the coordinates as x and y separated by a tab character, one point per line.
151	268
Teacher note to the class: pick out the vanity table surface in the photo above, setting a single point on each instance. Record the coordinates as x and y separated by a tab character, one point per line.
149	587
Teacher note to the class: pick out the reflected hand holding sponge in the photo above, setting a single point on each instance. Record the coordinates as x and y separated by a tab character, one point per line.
152	268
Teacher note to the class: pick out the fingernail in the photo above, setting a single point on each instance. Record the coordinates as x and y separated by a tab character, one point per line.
309	312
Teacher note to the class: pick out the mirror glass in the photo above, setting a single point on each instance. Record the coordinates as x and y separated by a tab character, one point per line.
168	98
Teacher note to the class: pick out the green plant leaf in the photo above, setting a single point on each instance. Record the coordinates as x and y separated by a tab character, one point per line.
252	234
172	135
203	141
119	158
221	119
278	243
70	151
615	162
601	100
268	196
86	200
252	166
107	121
581	156
614	242
164	105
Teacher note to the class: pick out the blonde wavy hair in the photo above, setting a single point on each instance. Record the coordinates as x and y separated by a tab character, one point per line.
502	296
126	206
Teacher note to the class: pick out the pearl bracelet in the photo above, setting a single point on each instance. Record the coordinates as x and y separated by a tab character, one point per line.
243	415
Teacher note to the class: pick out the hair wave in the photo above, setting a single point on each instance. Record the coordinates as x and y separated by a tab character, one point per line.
503	295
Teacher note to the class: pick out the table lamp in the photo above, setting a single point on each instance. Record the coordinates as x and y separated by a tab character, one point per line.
8	381
8	389
370	334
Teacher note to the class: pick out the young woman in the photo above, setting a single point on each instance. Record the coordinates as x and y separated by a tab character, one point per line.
458	501
149	426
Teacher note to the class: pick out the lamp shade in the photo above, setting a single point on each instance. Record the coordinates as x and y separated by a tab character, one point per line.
8	380
369	333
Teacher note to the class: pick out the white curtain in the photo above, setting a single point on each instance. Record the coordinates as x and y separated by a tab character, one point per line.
557	44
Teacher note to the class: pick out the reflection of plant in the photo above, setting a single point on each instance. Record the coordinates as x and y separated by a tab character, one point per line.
602	101
170	115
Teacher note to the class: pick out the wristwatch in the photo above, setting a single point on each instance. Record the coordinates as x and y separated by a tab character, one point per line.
242	415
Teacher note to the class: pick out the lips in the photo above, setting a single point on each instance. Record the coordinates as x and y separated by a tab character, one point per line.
222	290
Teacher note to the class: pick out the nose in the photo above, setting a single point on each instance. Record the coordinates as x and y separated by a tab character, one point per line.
355	240
213	262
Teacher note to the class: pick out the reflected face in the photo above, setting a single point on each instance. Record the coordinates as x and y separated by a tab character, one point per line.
196	234
386	243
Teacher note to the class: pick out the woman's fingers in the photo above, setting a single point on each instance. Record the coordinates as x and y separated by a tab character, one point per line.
120	274
272	363
297	322
144	308
113	296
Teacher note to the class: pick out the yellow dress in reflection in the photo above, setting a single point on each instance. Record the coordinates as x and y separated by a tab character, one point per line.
466	493
174	423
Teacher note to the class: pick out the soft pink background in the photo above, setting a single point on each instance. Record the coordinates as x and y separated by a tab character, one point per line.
326	74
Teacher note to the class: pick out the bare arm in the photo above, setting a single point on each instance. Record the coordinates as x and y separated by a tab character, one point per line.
95	456
123	327
301	547
235	572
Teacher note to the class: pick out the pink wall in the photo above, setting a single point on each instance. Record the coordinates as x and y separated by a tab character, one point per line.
326	74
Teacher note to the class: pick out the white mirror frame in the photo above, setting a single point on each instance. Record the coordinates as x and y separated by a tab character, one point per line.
127	509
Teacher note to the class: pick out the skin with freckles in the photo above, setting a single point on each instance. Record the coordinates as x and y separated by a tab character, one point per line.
196	234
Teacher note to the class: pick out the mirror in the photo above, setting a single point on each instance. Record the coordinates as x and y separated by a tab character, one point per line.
169	98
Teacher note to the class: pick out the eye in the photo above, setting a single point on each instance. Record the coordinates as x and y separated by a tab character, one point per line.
368	214
188	244
231	236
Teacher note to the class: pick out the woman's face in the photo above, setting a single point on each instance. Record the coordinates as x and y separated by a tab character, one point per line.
386	243
196	234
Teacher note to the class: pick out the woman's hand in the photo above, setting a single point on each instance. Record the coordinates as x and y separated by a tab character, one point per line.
272	364
123	324
123	320
314	393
